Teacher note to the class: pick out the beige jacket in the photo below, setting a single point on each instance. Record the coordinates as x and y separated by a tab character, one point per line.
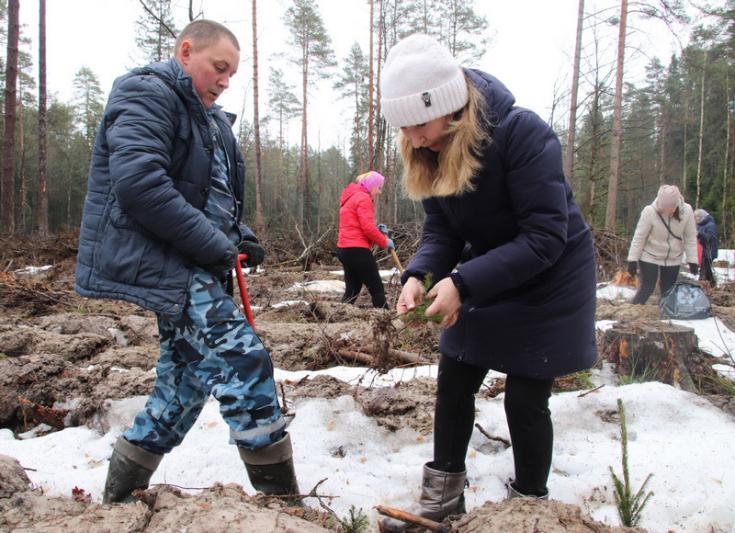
653	243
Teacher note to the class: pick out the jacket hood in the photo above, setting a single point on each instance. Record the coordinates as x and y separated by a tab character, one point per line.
351	190
654	204
498	98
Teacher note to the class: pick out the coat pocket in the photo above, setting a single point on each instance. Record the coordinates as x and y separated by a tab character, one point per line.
128	255
119	254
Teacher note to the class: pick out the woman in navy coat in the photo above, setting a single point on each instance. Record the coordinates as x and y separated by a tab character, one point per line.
489	175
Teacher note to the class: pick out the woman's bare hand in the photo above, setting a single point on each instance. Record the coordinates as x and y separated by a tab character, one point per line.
446	302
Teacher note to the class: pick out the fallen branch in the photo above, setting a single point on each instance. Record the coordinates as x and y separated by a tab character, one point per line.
506	442
312	494
413	519
585	393
369	359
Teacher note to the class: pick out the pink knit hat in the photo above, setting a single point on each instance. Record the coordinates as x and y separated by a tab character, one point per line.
668	197
371	180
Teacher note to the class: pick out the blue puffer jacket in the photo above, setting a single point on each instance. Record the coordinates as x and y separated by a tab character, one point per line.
143	227
529	310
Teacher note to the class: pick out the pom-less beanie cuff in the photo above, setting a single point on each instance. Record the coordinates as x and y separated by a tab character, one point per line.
426	106
421	81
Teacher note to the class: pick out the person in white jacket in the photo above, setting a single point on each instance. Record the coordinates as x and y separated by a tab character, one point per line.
666	232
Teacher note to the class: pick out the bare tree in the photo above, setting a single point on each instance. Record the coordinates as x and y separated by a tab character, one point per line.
11	79
371	143
315	55
571	134
259	224
701	129
42	208
612	191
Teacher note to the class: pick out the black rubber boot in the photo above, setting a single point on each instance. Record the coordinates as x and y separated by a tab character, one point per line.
271	469
442	494
131	468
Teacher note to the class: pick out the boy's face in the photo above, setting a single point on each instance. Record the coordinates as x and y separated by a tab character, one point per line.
210	68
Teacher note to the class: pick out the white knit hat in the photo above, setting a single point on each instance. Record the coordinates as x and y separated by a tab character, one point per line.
421	81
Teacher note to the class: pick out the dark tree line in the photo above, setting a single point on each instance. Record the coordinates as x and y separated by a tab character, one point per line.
674	127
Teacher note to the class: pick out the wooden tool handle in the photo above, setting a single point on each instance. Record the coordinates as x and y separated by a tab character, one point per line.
412	519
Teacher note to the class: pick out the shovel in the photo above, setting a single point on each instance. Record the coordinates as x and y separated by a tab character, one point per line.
397	261
243	289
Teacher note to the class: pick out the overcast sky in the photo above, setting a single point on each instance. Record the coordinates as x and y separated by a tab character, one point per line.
532	43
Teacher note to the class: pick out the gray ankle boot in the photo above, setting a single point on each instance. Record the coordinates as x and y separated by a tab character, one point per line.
513	493
271	469
131	468
442	494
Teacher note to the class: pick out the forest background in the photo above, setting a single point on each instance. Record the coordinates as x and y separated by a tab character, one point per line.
628	120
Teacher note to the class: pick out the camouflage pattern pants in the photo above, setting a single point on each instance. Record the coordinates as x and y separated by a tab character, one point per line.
211	349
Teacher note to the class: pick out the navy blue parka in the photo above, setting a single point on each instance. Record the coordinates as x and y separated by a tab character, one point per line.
143	228
707	236
530	280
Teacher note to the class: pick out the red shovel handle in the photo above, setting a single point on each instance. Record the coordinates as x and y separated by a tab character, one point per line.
243	289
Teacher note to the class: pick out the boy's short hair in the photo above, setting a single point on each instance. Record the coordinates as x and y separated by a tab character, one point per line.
203	33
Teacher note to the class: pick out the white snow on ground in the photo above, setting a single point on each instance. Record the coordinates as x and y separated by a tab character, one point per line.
680	438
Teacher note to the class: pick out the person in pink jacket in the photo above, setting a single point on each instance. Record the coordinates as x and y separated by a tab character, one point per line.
357	233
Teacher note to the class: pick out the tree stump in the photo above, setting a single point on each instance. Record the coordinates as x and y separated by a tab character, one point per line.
651	351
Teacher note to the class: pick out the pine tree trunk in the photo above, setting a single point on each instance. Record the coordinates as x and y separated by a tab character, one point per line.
728	126
701	131
663	133
278	200
42	203
571	135
686	131
303	185
304	182
595	146
259	223
11	79
617	129
371	144
381	130
320	185
21	201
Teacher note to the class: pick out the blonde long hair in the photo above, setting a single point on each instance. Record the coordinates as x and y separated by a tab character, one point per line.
449	172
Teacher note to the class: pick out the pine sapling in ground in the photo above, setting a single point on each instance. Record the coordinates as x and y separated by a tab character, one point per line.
629	506
357	522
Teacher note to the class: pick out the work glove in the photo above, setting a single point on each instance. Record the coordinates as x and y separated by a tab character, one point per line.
390	244
694	268
383	229
256	253
632	267
224	264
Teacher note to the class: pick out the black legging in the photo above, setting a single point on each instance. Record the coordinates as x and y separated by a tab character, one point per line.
527	413
360	268
649	273
705	272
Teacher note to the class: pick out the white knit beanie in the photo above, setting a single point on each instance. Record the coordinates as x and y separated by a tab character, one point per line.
421	81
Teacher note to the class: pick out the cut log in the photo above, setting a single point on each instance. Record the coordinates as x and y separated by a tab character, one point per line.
651	351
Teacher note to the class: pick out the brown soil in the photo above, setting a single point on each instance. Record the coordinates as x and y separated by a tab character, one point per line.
62	357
